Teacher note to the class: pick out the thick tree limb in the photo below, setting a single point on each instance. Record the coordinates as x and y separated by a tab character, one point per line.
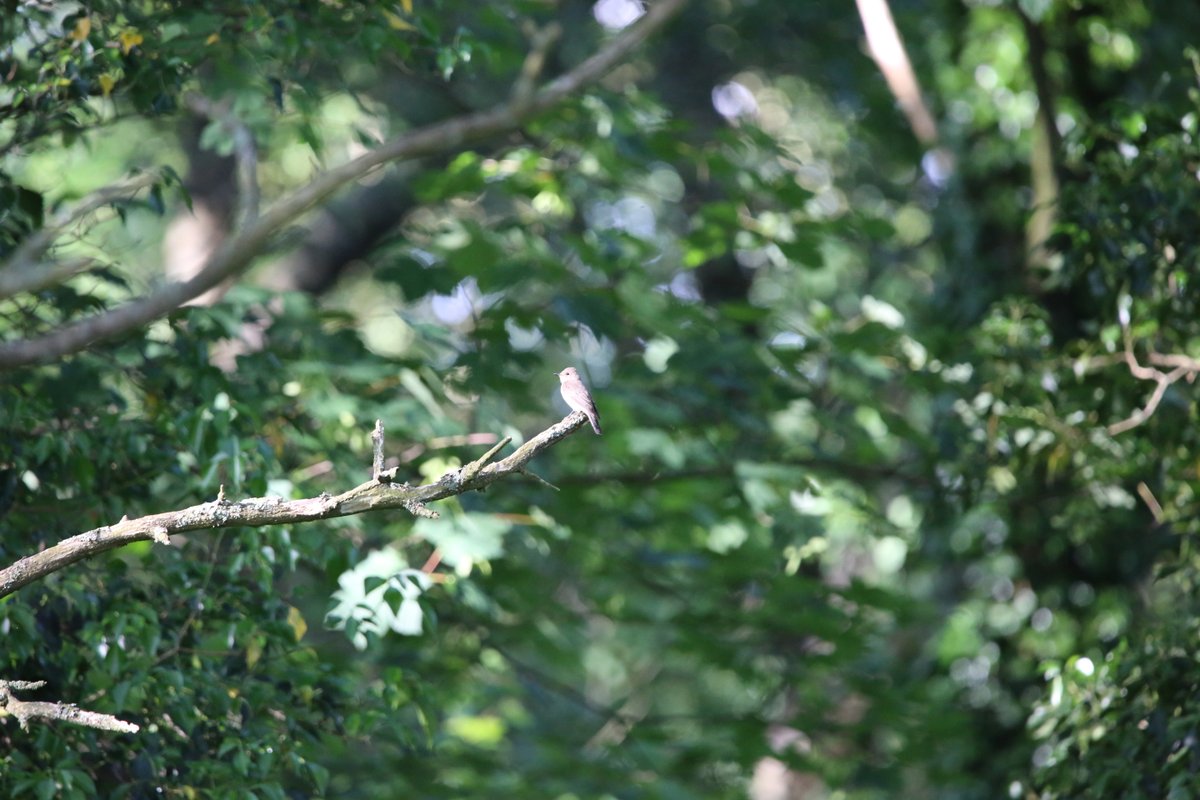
237	253
376	494
25	710
345	231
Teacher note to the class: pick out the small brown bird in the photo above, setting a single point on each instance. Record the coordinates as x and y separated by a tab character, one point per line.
577	396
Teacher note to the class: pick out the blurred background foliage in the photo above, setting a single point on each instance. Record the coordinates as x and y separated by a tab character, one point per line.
874	515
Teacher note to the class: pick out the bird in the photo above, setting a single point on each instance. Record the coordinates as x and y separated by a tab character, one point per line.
577	396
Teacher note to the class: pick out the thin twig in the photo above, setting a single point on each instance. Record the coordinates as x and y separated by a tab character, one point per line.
431	563
1150	500
540	40
539	479
1144	413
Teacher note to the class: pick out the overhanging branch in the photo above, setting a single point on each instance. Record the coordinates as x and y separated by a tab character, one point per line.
235	256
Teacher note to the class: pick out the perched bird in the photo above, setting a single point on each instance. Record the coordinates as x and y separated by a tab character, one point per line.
577	396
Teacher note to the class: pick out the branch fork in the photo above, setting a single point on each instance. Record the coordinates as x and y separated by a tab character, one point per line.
1182	367
380	492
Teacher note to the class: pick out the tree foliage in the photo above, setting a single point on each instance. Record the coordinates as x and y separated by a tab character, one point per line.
895	498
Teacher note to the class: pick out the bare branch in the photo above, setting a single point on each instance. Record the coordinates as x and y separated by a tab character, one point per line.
539	479
377	450
1151	501
1136	369
237	253
887	49
472	469
1174	360
373	495
1184	367
25	710
541	40
1163	380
